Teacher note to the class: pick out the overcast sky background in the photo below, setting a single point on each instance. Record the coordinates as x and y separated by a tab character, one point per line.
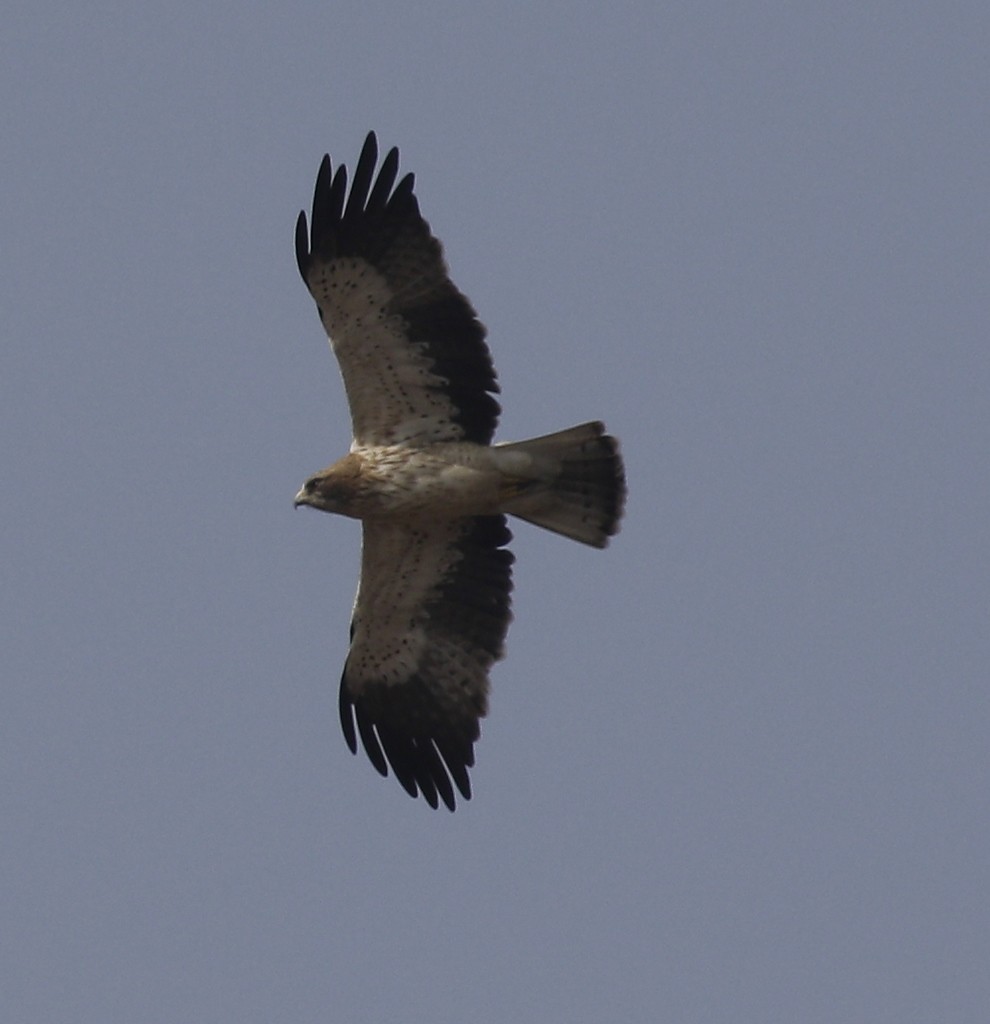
736	765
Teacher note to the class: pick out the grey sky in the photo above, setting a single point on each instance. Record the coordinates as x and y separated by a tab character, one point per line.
736	766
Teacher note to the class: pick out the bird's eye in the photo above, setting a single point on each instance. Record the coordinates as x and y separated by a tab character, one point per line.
309	486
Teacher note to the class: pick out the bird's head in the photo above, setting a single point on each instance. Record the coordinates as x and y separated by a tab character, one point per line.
317	492
330	490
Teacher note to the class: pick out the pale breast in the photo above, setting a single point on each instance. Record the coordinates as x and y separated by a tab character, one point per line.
446	481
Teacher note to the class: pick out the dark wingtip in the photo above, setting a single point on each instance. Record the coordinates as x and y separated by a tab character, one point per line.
347	718
430	768
302	244
363	174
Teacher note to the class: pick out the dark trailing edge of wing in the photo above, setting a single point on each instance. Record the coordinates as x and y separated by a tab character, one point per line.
381	223
415	727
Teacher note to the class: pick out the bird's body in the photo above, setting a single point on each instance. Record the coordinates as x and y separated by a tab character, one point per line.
447	480
422	475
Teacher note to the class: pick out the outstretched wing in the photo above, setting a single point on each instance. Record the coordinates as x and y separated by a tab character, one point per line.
429	621
411	350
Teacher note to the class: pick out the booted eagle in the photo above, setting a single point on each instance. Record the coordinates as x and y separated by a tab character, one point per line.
424	478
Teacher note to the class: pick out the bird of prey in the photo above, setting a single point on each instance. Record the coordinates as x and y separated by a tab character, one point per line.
430	488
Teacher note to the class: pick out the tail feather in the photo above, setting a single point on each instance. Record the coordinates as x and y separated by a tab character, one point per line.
574	485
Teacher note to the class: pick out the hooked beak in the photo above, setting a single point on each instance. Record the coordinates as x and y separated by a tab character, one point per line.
301	498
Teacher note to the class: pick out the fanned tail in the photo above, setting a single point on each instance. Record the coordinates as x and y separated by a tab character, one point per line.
575	484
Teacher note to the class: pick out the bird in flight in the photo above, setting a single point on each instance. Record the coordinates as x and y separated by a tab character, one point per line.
430	488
